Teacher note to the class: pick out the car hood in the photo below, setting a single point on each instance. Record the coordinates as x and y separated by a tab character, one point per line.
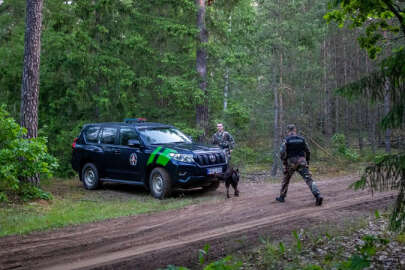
191	147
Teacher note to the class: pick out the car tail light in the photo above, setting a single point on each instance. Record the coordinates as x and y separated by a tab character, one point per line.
74	142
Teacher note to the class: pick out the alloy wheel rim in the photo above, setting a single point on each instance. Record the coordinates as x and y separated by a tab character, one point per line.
89	177
157	182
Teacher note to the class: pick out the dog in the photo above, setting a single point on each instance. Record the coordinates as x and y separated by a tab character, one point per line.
231	177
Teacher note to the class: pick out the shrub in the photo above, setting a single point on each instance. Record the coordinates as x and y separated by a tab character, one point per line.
21	158
340	148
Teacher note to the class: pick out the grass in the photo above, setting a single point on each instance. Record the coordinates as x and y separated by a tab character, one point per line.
72	205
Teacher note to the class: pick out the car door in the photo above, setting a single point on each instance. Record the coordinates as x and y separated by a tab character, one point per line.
111	152
132	159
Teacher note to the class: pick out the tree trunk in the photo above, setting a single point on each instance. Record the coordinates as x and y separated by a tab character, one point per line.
327	108
387	106
201	65
360	109
373	135
30	77
337	84
280	100
276	140
226	89
346	102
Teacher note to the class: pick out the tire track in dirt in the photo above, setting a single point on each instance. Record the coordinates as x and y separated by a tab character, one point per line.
127	242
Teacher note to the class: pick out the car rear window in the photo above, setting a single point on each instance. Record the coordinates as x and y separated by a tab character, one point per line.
91	134
108	135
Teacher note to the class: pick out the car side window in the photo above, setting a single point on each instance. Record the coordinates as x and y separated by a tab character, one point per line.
108	135
127	134
91	134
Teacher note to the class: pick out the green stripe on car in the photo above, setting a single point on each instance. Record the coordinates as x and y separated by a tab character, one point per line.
164	157
152	156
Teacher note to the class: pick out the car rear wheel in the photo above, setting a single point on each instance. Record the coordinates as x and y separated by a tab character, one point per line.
159	183
90	176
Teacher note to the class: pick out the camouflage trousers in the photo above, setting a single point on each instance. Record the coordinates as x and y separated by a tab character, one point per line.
300	165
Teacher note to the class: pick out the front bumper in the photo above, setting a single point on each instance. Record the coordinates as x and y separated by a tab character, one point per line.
193	175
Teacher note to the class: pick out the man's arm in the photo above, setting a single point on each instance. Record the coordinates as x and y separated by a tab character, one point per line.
231	141
283	151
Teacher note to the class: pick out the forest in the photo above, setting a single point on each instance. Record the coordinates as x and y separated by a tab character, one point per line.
335	69
268	63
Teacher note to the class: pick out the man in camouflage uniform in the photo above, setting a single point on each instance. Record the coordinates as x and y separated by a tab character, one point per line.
295	154
223	139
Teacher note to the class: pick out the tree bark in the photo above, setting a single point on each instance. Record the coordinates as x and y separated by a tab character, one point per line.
201	65
226	89
327	108
276	139
30	77
387	105
280	100
226	77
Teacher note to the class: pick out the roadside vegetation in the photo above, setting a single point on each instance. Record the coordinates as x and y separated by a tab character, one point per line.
355	244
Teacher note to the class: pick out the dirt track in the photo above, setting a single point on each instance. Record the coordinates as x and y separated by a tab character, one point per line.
173	237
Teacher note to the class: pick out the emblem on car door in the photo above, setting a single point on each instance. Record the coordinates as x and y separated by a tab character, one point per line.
133	159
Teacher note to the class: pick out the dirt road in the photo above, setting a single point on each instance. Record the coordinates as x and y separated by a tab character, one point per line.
155	240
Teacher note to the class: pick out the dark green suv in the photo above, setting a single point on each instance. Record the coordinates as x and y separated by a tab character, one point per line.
156	156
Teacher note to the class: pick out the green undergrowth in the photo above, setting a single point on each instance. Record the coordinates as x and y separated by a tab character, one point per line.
72	204
351	244
359	243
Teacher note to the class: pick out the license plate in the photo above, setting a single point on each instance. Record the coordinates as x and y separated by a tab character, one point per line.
214	170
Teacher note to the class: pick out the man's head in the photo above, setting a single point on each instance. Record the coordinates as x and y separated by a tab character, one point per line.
220	127
291	129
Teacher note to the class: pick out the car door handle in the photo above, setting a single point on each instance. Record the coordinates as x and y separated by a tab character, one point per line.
117	152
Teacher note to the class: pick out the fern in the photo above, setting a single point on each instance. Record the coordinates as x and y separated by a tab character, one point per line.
388	173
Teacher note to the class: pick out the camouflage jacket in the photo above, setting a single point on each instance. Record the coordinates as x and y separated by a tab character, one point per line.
223	140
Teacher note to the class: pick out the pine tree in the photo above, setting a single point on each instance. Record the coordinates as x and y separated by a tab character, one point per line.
30	77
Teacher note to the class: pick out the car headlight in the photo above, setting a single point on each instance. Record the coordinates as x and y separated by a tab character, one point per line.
188	158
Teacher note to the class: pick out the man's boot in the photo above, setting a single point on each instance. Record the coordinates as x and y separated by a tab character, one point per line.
280	199
319	200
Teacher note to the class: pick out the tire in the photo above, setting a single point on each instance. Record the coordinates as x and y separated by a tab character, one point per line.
90	176
212	187
159	183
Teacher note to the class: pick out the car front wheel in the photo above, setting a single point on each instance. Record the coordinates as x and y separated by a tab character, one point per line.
90	176
159	183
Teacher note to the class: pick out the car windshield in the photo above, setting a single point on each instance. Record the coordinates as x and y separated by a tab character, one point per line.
163	136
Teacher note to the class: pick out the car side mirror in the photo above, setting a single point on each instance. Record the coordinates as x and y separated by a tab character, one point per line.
134	143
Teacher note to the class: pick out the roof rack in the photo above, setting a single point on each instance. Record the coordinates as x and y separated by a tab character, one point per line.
134	120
